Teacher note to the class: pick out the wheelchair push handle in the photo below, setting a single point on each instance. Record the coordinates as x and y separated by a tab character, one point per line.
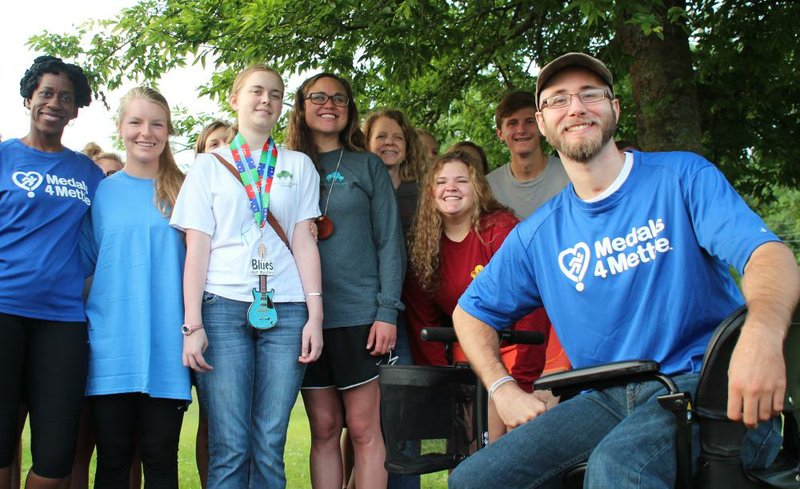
448	335
521	337
441	335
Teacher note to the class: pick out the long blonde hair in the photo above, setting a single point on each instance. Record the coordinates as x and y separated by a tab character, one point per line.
169	178
426	234
411	167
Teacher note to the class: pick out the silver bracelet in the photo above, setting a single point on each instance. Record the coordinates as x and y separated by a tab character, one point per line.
314	294
499	383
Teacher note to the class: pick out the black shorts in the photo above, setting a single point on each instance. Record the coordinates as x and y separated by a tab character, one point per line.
345	361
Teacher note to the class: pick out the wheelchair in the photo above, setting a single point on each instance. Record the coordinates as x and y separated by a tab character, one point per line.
719	466
431	416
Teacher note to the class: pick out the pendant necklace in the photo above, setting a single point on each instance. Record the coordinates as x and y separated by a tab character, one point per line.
324	223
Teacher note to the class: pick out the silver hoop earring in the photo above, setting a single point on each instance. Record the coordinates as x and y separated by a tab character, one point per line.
71	122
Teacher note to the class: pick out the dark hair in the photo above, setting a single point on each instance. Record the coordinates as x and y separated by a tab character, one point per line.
512	102
51	64
298	134
459	146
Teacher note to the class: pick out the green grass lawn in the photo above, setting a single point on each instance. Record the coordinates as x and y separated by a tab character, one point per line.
296	457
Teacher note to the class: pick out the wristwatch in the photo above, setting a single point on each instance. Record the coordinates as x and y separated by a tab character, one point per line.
188	329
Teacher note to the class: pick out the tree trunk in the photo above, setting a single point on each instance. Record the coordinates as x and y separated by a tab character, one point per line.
663	83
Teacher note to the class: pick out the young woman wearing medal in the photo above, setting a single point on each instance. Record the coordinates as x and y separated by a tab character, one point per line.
458	228
137	385
45	192
253	303
363	258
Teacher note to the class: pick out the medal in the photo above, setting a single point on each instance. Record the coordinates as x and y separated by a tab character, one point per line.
325	223
262	314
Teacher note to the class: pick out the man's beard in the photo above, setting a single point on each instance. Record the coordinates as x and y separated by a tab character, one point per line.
585	148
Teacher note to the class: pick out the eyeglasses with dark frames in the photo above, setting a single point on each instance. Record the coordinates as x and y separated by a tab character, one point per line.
319	98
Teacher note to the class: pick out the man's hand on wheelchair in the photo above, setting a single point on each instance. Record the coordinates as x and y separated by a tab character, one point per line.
517	407
547	397
756	376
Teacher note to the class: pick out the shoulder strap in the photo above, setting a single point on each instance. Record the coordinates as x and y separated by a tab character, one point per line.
270	218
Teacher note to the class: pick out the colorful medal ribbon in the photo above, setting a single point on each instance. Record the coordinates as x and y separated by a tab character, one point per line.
252	175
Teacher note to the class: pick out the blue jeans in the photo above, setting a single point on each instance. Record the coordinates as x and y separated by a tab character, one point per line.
626	436
402	345
249	394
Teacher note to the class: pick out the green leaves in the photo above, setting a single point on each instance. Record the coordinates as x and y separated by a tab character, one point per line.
447	63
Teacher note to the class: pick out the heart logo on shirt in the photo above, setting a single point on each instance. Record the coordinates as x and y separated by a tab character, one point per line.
574	262
29	181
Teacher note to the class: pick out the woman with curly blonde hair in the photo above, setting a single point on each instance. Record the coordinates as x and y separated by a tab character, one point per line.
459	226
426	236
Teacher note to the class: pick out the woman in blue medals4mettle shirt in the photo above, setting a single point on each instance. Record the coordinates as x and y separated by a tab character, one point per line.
45	191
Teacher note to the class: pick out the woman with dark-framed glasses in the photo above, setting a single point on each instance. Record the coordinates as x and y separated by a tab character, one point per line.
363	261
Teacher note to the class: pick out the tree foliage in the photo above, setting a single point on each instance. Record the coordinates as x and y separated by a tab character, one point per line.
714	76
747	59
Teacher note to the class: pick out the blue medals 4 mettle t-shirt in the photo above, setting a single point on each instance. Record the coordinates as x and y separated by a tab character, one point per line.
43	199
641	274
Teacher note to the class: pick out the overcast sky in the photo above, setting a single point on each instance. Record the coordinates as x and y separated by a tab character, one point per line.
94	123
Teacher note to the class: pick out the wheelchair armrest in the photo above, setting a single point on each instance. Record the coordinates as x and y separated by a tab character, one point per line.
599	377
448	335
711	399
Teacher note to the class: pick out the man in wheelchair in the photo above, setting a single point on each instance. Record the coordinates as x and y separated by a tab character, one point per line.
631	262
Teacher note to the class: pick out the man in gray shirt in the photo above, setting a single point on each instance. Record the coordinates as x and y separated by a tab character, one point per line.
531	177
